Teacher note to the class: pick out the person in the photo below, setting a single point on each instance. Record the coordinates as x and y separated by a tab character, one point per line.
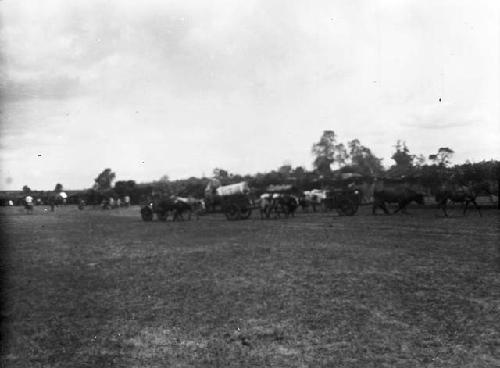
105	204
126	201
28	203
81	204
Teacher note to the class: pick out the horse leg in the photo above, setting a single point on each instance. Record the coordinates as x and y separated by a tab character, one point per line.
466	205
384	207
442	205
400	208
477	207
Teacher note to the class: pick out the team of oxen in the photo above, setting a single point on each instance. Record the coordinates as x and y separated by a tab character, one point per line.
280	201
403	196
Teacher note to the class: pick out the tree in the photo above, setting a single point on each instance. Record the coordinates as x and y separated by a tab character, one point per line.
363	160
124	187
164	179
442	157
285	169
26	189
420	160
59	188
327	151
104	180
402	156
220	173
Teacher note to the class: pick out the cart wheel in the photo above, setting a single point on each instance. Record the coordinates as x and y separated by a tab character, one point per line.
245	213
233	212
347	207
162	216
146	214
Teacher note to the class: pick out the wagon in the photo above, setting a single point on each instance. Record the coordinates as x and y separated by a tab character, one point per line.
233	200
344	201
236	206
147	212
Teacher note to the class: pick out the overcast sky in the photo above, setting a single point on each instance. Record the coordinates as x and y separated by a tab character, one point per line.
149	88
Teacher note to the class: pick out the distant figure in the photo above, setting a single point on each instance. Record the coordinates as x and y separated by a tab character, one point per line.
81	204
118	203
105	204
52	203
111	202
28	204
126	201
11	202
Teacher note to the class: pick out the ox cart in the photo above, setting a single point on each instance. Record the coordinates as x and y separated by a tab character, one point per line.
344	201
236	206
233	200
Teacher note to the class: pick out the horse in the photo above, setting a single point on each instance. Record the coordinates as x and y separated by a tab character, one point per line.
465	194
402	196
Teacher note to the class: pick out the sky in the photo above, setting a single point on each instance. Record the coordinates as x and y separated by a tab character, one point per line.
178	88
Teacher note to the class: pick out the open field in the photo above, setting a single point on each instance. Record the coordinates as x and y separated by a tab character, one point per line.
103	289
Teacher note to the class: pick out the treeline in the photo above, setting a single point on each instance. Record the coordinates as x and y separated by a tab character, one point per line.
427	176
332	159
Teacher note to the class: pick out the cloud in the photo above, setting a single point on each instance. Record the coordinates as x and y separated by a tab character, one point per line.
42	86
443	116
243	84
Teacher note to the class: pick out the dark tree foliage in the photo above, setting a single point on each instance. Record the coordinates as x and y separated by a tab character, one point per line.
124	187
324	152
104	180
26	189
58	188
363	161
220	173
442	157
402	156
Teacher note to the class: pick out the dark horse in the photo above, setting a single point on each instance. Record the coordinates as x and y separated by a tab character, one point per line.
402	196
465	194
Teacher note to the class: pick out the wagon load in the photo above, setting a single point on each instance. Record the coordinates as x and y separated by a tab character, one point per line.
233	189
280	188
316	196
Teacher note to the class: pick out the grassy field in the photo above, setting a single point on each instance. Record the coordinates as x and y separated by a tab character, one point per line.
103	289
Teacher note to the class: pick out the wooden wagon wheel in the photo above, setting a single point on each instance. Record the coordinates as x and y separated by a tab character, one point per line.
233	212
146	214
162	216
245	213
346	207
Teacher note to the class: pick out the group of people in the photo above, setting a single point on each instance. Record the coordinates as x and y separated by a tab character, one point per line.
111	202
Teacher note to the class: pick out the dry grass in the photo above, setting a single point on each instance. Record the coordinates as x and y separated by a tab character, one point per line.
102	288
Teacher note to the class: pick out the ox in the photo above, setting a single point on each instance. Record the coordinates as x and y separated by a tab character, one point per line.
465	194
402	196
286	204
278	204
265	205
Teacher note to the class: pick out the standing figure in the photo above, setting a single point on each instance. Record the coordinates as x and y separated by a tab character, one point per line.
28	204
